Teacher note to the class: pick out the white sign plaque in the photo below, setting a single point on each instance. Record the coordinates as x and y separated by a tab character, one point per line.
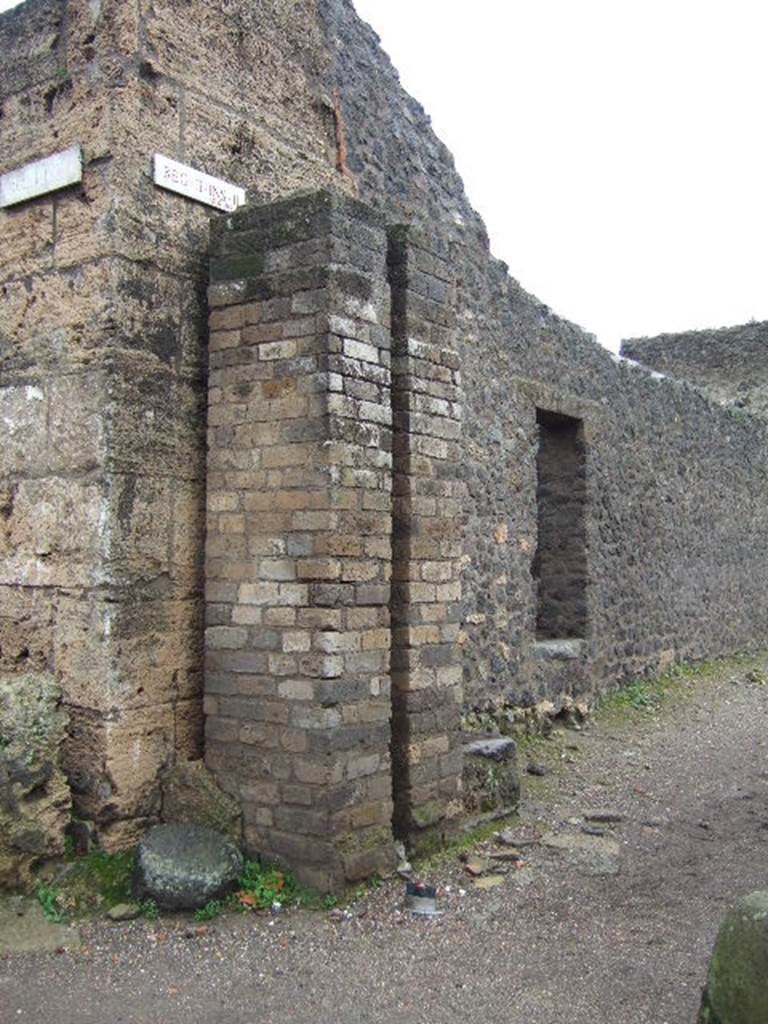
195	185
47	175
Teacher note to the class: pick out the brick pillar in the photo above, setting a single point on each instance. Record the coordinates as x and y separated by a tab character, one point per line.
427	542
298	550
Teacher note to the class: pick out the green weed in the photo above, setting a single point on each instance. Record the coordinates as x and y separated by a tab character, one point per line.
211	909
261	887
48	898
111	874
149	910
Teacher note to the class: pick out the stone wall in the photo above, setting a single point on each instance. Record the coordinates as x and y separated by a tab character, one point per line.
298	549
427	541
730	364
103	332
102	363
103	377
673	483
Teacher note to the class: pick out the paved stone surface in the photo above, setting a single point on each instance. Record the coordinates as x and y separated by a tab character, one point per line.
546	945
589	855
25	929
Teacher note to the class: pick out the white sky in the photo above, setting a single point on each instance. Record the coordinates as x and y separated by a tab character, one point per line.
617	149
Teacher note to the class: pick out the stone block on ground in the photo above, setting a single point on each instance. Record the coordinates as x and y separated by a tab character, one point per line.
182	867
35	800
737	980
491	780
191	795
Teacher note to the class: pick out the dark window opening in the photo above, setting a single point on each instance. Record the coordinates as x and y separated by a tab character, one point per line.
560	564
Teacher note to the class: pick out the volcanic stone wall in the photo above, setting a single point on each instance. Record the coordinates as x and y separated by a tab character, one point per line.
674	530
730	364
103	370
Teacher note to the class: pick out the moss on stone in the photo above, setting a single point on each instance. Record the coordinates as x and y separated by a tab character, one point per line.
737	980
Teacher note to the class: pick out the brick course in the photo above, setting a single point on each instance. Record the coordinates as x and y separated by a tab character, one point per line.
298	549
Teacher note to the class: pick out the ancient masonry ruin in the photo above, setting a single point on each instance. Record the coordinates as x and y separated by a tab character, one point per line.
432	504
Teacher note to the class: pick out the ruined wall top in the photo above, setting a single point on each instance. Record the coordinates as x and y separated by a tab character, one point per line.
729	363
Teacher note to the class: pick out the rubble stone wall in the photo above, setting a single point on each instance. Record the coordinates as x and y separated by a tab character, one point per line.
673	515
730	364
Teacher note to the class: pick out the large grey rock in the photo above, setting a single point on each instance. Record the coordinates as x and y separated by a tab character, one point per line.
737	980
182	867
35	800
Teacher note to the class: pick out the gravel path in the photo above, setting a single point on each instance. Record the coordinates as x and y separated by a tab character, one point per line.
551	943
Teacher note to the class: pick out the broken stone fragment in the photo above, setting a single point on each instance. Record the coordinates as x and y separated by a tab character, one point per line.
476	866
191	796
25	929
508	838
500	748
183	867
489	881
604	817
405	870
589	855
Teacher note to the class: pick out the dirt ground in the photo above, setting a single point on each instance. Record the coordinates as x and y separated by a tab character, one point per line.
611	928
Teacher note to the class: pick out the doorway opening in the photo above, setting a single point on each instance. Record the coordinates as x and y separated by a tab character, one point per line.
560	563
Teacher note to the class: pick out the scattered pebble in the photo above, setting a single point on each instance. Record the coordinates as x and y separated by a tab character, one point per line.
476	866
489	881
605	817
507	856
123	912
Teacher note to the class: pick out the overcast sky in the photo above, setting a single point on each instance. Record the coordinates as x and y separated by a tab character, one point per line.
617	149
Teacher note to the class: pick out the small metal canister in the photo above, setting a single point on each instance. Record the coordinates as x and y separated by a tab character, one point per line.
420	898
